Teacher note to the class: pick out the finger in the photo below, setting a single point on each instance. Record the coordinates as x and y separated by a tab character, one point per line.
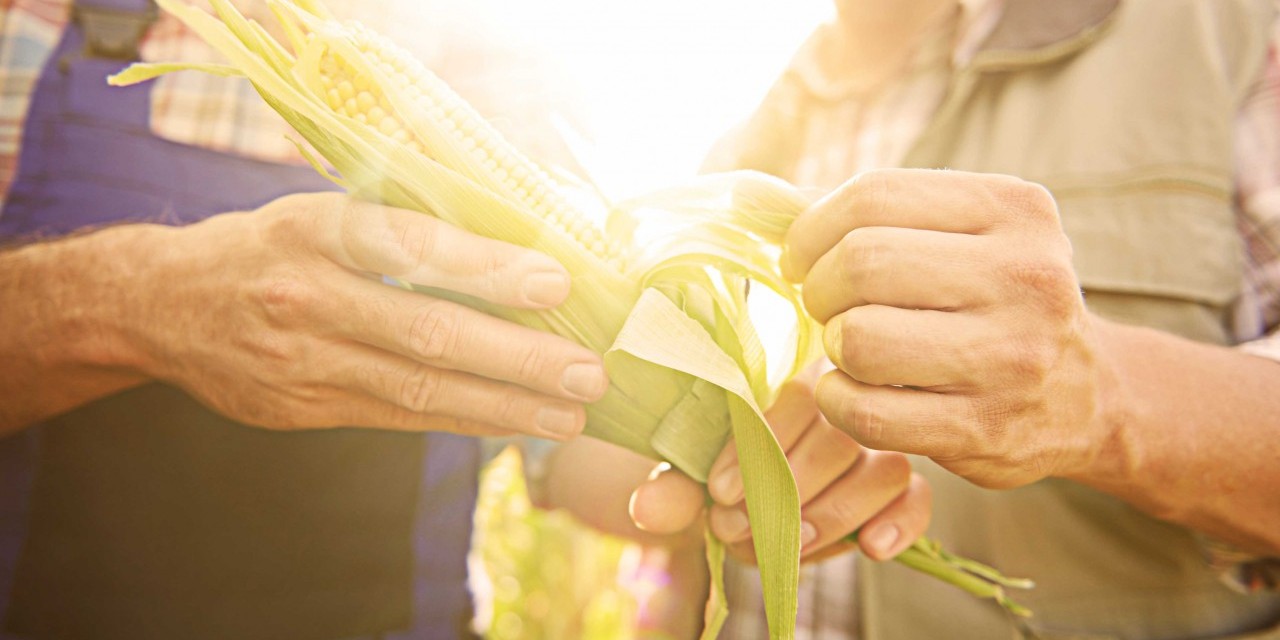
359	410
790	415
823	454
877	480
883	345
729	523
668	502
904	268
402	420
448	335
950	201
406	385
898	525
423	250
839	547
743	551
898	418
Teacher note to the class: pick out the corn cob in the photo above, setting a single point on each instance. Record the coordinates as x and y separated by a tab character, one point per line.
685	364
492	161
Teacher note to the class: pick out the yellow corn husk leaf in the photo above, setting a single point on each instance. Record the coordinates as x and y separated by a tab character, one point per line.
669	314
717	609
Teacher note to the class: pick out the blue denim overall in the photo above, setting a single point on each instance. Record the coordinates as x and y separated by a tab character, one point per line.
145	515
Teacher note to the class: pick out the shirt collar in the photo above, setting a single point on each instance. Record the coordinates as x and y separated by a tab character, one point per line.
975	28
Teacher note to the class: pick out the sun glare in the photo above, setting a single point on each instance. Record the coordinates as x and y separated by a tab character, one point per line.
651	85
656	82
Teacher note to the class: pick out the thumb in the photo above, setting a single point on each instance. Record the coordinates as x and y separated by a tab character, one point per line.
667	502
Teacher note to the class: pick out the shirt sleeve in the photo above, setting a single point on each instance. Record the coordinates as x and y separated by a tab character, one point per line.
1257	316
29	33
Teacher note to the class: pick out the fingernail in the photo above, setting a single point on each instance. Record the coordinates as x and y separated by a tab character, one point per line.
733	525
808	533
726	486
882	538
558	422
586	381
833	340
546	289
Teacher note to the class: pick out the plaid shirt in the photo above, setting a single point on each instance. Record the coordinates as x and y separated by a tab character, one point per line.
516	90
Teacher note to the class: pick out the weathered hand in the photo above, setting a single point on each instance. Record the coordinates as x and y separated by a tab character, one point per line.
842	486
956	320
278	319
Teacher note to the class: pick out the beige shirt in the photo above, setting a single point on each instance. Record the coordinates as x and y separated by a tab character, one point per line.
850	127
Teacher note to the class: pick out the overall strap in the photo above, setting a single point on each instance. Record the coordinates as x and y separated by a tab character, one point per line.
113	29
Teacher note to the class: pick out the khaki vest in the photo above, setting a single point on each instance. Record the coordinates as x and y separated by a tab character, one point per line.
1125	111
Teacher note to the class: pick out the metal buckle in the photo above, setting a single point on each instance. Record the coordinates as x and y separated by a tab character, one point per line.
112	34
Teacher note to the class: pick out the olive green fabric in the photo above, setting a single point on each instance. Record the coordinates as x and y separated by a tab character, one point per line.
1134	138
1125	111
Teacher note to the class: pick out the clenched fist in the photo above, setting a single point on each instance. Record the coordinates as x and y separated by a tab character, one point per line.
956	321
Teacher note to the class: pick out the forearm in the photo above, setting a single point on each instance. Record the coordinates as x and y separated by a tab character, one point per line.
64	337
1194	435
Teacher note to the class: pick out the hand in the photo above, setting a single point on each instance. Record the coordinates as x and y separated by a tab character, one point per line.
956	321
842	486
278	319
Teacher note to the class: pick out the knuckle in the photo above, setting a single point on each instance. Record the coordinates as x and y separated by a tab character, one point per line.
864	421
346	214
292	217
302	213
276	348
1051	280
287	297
435	334
1025	200
1030	359
846	515
494	268
420	389
872	191
862	251
419	241
857	347
512	410
533	363
1038	201
345	209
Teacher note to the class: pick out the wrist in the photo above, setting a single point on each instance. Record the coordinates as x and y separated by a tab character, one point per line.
68	303
1111	456
104	303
